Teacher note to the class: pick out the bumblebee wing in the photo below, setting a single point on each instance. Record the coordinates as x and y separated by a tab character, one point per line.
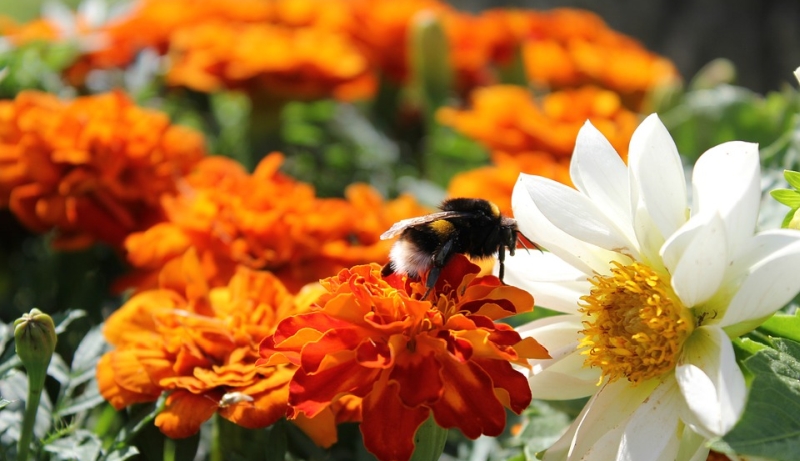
400	226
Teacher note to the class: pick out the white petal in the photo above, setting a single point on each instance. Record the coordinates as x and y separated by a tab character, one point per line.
598	171
563	376
711	383
534	225
771	283
553	283
658	187
726	180
577	215
651	433
696	257
605	417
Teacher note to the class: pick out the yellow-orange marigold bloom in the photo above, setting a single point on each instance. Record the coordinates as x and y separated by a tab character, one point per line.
200	344
266	220
93	168
408	357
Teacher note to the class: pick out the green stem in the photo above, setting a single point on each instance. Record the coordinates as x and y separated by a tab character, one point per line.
169	449
35	388
216	443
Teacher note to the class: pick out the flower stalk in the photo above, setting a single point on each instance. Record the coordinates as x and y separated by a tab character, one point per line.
35	342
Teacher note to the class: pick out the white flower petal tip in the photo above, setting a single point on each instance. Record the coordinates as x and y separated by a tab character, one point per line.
658	186
711	382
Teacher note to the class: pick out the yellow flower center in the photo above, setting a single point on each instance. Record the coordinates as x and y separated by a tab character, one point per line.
635	325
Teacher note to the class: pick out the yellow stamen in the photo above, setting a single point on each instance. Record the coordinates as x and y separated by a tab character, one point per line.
634	324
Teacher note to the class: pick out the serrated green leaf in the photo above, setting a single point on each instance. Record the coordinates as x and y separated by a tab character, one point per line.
770	426
793	178
544	425
121	454
87	400
88	352
782	325
788	197
82	445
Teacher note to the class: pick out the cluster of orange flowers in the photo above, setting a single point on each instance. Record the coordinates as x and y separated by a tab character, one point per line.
265	220
92	169
321	48
404	357
200	344
532	136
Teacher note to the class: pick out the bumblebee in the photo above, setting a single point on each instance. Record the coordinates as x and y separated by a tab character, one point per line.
469	226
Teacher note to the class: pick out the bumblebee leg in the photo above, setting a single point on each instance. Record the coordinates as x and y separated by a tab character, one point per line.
440	258
501	257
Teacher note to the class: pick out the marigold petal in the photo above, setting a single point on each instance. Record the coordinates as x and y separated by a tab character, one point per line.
312	393
321	428
417	373
118	396
388	425
268	405
510	386
184	413
468	401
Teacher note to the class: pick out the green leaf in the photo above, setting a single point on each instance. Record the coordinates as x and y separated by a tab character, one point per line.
276	443
544	425
770	426
4	403
793	178
782	325
788	197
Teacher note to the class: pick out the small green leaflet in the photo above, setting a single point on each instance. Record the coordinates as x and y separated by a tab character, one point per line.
793	178
788	197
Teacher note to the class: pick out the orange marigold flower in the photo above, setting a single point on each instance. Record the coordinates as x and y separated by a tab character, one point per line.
496	182
306	63
200	344
408	357
507	118
266	220
524	135
93	168
569	47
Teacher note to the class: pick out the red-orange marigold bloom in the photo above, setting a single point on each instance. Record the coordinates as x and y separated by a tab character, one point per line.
200	344
266	220
408	357
93	168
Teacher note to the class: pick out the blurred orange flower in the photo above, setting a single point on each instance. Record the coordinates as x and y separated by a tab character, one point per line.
301	63
200	344
532	136
408	357
567	47
93	168
266	220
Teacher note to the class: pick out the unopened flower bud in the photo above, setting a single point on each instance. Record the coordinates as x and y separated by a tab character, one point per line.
35	340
